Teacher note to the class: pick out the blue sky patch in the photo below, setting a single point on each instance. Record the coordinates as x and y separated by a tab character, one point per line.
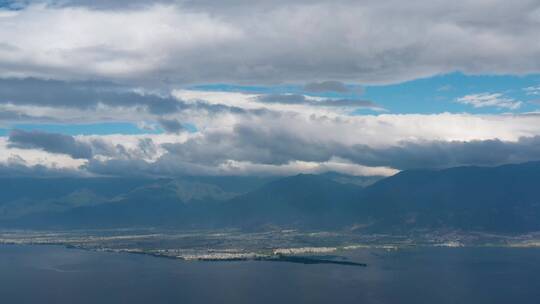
431	95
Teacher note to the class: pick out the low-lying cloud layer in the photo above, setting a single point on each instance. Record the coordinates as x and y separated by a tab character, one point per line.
293	143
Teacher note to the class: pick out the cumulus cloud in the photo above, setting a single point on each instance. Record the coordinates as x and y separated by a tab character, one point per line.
202	41
292	143
256	158
496	100
80	147
279	147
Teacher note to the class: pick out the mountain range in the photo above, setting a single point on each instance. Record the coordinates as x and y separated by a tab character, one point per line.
502	199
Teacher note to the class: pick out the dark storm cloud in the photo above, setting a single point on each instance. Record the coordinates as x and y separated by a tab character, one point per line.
49	142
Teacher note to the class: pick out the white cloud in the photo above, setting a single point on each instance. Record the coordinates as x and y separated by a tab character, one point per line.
296	167
496	100
288	143
278	41
32	157
158	47
534	90
80	42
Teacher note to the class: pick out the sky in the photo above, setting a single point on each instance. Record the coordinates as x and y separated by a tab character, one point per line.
237	87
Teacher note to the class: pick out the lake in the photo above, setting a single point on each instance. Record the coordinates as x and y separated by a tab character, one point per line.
54	274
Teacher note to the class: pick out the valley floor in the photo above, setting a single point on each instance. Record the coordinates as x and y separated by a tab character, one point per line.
273	245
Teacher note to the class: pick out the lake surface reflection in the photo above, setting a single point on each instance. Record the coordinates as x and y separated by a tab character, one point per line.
53	274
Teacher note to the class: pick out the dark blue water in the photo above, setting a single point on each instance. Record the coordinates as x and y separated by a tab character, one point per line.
51	274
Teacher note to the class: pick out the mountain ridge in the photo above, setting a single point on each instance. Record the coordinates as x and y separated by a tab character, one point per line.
498	199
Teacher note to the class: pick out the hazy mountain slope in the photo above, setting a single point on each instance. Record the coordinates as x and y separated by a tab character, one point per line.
301	200
505	198
152	205
26	196
498	199
53	188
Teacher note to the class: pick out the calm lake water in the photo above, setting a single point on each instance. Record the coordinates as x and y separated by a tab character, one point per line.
53	274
